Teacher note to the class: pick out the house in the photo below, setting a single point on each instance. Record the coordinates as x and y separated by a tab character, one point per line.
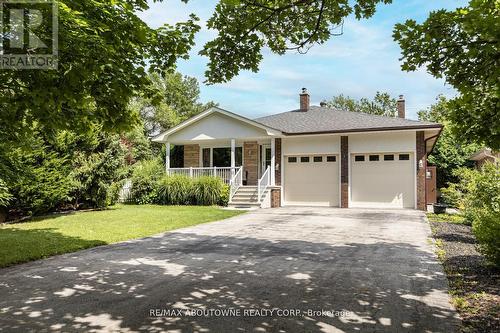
314	156
483	156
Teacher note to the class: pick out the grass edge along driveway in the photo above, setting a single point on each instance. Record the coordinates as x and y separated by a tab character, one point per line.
63	233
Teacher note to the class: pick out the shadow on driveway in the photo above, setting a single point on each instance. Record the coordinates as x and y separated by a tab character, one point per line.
382	286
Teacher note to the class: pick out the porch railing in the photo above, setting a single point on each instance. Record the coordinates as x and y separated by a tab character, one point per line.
235	183
263	183
225	173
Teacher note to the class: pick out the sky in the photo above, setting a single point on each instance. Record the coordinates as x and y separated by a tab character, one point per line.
362	61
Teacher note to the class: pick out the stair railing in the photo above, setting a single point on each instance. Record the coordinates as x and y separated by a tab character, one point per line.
263	183
235	183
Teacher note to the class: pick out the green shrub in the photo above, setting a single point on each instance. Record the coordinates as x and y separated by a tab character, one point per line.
207	191
174	190
224	198
95	171
480	191
145	176
113	193
451	195
5	196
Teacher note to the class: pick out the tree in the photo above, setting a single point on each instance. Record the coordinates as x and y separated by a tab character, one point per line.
246	27
105	51
461	46
382	104
451	151
177	98
65	170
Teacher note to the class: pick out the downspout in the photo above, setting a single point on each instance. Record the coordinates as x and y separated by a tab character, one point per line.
427	154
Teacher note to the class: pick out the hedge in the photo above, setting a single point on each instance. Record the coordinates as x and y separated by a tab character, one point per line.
150	188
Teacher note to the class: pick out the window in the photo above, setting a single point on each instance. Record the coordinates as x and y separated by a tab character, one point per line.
222	157
318	158
388	157
359	158
331	158
292	160
304	159
404	157
374	158
206	157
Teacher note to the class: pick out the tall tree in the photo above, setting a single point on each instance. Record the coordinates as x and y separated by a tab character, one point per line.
105	51
382	104
452	151
462	46
177	98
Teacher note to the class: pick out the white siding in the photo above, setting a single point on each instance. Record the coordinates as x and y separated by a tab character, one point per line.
217	126
382	142
325	144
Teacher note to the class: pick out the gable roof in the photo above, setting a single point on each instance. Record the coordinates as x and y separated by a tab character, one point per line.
327	120
163	136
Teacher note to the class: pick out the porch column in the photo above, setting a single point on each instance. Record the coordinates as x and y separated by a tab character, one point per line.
273	161
167	156
233	156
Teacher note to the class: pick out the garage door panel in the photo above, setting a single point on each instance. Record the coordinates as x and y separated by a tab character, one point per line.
312	183
382	183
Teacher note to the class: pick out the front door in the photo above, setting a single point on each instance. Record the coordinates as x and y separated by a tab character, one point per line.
265	158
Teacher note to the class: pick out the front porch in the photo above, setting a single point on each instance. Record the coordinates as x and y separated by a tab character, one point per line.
219	143
241	164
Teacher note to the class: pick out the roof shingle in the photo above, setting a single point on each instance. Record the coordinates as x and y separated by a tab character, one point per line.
323	120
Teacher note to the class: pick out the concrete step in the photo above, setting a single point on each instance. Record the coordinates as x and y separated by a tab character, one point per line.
244	205
247	190
243	200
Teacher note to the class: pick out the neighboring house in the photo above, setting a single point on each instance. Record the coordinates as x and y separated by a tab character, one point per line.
483	156
311	156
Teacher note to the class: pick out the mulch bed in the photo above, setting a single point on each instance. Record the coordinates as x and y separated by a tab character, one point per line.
475	283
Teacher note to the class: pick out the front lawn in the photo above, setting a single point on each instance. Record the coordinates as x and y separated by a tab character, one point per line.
474	284
57	234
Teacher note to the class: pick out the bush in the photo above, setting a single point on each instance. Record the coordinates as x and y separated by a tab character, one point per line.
451	195
174	190
113	193
207	191
145	176
480	199
5	196
95	171
224	198
182	190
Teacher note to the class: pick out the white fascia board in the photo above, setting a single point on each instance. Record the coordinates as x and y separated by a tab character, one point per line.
163	136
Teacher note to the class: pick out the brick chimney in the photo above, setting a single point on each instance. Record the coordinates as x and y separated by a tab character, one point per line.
401	107
305	100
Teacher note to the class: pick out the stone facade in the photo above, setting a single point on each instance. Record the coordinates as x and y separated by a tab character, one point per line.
275	198
421	156
251	162
191	156
344	172
279	166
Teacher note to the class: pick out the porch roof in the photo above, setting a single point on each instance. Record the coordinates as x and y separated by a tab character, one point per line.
254	128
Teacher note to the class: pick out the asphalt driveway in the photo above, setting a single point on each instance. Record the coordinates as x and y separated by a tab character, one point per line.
319	269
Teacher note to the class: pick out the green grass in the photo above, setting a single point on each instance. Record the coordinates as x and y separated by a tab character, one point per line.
47	236
450	218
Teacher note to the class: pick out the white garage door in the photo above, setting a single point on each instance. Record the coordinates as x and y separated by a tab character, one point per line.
383	180
312	180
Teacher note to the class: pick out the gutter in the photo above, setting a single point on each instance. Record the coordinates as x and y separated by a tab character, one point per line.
371	129
432	137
